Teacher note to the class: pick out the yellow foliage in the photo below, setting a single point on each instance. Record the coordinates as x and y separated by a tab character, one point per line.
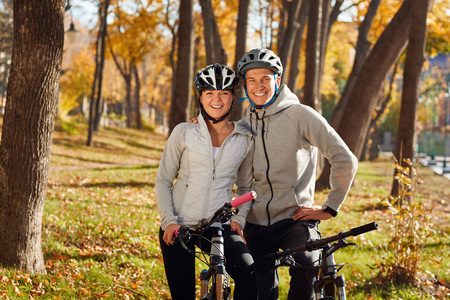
66	104
76	82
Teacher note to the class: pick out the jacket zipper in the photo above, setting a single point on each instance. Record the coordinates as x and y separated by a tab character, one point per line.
268	166
219	154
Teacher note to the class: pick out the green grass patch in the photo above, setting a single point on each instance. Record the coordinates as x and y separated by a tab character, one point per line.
100	225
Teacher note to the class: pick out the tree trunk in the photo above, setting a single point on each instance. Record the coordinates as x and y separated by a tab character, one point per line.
28	129
207	15
137	98
297	47
362	48
220	53
363	99
404	149
126	72
311	93
101	60
174	31
179	109
129	106
285	49
364	95
241	41
96	94
215	53
374	131
324	37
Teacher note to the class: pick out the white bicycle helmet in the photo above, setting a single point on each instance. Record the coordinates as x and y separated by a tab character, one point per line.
216	77
260	58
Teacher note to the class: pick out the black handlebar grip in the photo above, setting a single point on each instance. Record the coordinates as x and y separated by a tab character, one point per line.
272	256
363	229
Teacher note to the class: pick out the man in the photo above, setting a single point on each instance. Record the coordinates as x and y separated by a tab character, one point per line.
288	136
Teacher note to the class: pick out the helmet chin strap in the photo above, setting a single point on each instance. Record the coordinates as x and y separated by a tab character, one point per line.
260	106
215	121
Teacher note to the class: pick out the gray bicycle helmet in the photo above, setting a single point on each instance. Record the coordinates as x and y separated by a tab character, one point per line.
216	77
260	58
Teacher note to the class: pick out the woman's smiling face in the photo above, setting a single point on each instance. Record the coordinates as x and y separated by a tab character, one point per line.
216	102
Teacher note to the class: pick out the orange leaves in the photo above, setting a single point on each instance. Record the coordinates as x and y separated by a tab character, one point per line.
56	256
88	250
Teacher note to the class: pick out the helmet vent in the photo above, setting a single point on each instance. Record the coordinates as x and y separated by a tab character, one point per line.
216	77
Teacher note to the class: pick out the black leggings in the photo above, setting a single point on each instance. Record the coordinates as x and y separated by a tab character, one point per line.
180	265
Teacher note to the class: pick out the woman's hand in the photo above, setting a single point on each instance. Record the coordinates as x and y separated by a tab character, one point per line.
311	213
237	228
194	120
169	233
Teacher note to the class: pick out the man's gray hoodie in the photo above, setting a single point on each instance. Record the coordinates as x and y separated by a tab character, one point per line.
287	137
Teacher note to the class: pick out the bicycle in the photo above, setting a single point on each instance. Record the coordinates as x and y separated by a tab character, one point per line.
328	285
216	273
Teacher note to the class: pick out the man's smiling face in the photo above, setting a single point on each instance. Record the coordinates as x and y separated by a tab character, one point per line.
260	85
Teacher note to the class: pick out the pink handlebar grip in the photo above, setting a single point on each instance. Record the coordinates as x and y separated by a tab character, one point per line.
243	199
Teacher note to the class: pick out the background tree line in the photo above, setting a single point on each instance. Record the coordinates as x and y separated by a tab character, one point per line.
145	53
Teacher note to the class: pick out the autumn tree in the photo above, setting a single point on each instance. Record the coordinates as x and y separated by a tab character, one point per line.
131	37
76	82
241	42
96	93
286	42
28	128
361	51
6	37
215	52
404	149
297	46
311	89
364	96
171	23
179	109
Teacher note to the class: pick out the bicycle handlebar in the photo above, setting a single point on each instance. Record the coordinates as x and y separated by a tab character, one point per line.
222	215
321	243
243	199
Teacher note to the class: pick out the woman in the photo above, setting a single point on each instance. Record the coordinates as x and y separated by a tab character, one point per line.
207	158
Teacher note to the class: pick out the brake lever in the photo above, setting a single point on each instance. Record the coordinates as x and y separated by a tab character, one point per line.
346	244
182	236
287	261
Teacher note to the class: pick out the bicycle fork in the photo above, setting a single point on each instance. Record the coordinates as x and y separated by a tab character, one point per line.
216	271
329	284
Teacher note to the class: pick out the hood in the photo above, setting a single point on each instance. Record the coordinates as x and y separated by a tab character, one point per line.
284	99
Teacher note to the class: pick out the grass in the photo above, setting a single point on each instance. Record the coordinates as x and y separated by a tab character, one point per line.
100	225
